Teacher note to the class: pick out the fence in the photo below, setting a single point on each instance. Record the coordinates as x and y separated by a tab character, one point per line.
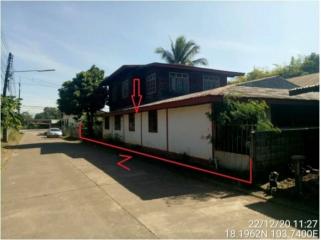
274	150
270	150
233	138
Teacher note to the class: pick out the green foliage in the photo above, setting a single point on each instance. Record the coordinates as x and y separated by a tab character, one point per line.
182	52
26	119
49	113
298	66
10	118
82	95
245	113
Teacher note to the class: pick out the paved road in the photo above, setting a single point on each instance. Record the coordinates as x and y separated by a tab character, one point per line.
53	188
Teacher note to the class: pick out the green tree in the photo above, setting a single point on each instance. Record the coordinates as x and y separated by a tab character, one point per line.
26	119
82	95
10	118
49	113
182	52
251	112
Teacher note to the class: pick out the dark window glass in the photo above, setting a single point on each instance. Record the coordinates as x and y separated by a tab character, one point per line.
152	121
131	122
151	84
107	122
117	122
125	89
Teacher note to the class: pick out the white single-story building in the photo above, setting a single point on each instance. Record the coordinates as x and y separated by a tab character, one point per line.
181	124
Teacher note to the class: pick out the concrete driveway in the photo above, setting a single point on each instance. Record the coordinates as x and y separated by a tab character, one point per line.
52	188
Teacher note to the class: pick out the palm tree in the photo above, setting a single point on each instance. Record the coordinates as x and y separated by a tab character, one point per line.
182	52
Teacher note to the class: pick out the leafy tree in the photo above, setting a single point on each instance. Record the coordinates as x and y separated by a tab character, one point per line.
26	119
182	52
49	113
298	66
10	118
82	95
251	112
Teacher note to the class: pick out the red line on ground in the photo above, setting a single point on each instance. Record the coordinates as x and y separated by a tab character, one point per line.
249	181
126	158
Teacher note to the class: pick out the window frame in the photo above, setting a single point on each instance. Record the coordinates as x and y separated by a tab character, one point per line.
105	121
153	121
208	76
179	78
125	88
131	122
151	79
117	120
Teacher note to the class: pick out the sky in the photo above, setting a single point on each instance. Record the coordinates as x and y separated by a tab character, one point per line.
72	36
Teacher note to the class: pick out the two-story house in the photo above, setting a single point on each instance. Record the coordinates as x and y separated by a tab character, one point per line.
173	116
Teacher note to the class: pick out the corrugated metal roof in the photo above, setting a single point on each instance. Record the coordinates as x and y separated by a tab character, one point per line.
217	94
305	80
270	82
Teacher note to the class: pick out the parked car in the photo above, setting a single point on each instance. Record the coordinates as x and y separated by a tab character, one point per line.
54	132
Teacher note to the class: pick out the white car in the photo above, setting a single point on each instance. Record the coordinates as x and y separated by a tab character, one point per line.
54	132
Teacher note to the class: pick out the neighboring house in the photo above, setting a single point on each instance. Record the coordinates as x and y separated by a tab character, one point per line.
171	120
161	81
69	125
270	82
283	83
305	80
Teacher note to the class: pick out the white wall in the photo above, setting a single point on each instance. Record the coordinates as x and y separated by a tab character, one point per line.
111	130
155	140
133	137
107	132
188	128
120	133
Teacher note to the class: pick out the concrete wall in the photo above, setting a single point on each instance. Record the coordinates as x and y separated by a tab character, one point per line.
274	150
133	137
186	132
232	161
188	128
108	132
111	132
155	140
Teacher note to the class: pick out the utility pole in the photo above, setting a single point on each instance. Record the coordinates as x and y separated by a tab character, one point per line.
5	87
8	74
19	96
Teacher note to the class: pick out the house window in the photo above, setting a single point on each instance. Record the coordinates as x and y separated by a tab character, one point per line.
151	84
152	121
131	122
107	122
117	122
125	89
179	82
210	81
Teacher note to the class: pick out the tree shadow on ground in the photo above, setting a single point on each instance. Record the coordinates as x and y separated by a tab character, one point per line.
148	178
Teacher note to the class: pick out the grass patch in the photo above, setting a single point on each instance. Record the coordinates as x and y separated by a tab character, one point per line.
13	139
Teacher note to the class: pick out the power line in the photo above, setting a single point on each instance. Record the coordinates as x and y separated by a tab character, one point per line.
40	81
41	85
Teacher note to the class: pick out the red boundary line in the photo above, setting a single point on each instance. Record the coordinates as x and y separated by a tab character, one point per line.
249	181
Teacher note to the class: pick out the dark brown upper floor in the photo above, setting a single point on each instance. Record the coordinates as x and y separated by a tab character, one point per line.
161	81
